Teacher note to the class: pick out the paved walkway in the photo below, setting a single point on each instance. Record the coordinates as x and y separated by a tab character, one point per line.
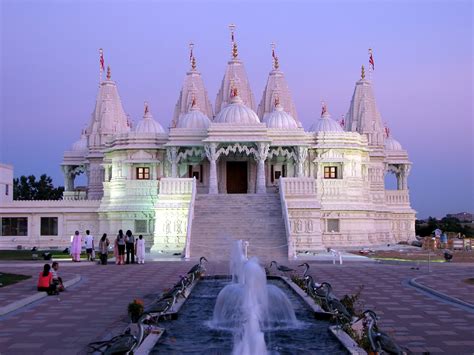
96	307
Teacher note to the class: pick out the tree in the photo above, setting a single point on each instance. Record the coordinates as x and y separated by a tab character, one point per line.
27	188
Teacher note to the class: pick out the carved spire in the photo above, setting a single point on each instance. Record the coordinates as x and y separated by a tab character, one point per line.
276	64
235	52
109	73
362	73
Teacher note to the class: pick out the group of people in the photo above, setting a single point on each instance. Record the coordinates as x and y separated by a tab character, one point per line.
127	243
49	279
123	243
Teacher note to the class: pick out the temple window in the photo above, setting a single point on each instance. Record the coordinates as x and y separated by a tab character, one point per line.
143	173
330	172
49	225
333	225
15	226
141	226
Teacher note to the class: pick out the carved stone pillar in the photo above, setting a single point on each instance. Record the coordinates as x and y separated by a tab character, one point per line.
172	155
301	155
68	177
260	156
405	172
212	156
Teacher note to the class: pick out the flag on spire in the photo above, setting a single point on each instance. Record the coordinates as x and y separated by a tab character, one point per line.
371	59
191	45
101	59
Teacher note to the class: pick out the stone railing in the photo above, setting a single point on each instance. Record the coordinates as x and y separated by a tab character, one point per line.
332	187
176	186
187	248
75	195
141	187
286	219
397	197
297	186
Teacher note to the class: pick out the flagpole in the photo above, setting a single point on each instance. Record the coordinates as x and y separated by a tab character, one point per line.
371	65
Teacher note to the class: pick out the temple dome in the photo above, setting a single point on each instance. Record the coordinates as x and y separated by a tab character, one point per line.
194	119
81	144
392	144
280	119
237	113
148	124
326	124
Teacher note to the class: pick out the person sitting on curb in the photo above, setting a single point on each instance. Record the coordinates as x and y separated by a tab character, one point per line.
45	281
58	281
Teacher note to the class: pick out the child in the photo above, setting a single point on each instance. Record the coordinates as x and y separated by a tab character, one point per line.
58	281
140	249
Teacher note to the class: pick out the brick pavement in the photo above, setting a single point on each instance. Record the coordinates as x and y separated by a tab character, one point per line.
96	306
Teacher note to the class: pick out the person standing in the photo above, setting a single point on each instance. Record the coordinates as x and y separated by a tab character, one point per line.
130	245
89	245
120	240
140	249
103	248
76	246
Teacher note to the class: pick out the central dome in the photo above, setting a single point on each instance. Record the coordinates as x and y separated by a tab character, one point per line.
326	124
237	113
148	125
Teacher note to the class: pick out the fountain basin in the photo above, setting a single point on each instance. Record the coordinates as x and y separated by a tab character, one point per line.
194	332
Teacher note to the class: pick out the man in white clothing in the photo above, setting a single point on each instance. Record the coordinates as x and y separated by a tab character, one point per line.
89	245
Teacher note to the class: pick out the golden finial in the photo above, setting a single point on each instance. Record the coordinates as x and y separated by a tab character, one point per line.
146	108
192	59
109	73
234	92
324	108
277	100
235	52
276	65
193	102
362	74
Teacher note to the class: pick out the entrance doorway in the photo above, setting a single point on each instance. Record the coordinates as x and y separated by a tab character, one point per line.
236	177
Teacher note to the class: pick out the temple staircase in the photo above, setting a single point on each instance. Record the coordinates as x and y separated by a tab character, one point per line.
221	219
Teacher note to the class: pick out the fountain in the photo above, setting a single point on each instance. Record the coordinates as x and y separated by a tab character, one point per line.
248	305
243	314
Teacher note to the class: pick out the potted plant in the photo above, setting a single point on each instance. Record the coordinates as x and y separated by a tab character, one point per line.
135	310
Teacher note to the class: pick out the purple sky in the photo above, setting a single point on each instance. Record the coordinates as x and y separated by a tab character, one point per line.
423	78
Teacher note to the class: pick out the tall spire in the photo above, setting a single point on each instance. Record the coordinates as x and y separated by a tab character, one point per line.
363	115
193	87
276	86
109	117
236	73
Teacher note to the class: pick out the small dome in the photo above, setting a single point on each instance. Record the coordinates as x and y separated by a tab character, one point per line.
326	124
237	113
149	125
392	144
81	144
279	119
194	119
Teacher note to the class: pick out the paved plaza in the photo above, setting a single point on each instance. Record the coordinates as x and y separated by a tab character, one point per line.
95	307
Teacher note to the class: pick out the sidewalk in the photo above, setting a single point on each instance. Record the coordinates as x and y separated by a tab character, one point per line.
97	305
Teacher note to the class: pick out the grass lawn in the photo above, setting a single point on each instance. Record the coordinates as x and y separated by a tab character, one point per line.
38	255
9	279
30	255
